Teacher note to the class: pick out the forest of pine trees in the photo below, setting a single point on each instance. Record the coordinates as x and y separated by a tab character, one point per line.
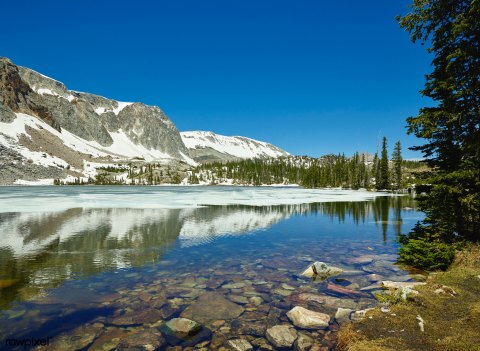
328	171
359	171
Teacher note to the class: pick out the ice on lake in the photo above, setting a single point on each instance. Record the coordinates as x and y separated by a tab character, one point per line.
38	199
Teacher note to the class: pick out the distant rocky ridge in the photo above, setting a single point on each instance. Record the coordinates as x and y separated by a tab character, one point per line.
208	146
48	131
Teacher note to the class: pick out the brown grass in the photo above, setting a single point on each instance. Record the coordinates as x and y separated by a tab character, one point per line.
451	323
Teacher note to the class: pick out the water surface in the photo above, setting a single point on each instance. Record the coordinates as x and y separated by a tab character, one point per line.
76	267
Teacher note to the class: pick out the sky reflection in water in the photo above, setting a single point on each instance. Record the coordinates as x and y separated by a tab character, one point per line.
53	264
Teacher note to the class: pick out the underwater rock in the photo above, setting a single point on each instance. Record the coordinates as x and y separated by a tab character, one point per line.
273	317
234	285
343	314
212	306
337	289
248	328
281	336
364	259
256	300
303	342
239	345
329	301
109	340
375	277
262	344
148	340
182	327
78	339
242	300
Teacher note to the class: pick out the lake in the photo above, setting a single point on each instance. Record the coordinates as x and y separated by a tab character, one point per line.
103	268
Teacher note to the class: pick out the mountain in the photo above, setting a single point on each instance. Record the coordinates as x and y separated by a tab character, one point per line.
208	146
50	132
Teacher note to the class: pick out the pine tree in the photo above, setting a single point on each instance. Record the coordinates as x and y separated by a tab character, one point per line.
397	165
383	172
451	127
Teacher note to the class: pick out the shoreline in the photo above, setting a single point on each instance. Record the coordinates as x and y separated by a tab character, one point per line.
441	315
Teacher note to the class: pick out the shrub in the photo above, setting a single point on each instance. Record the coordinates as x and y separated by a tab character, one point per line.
425	254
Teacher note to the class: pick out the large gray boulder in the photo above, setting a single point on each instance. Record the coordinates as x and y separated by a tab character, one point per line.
306	319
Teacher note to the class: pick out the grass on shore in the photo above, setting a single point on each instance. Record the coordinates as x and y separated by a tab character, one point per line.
451	323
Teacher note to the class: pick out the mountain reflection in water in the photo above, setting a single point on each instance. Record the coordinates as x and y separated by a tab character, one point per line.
42	249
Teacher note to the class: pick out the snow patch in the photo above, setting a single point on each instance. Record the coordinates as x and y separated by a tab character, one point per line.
120	106
236	146
45	91
48	181
16	128
123	147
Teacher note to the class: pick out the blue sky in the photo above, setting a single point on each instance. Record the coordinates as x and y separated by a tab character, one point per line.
311	76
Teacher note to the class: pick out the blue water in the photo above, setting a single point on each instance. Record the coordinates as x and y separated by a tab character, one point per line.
81	266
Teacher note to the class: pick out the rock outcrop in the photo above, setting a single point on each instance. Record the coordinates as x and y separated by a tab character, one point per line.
90	117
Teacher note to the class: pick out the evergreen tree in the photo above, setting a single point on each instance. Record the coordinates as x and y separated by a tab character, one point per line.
383	172
397	165
451	127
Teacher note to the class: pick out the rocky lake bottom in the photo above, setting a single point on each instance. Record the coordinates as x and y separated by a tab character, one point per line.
224	277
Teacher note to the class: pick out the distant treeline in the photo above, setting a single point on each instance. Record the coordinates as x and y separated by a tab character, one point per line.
356	172
328	171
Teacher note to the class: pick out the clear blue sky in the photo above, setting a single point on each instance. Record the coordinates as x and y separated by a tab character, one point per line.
310	76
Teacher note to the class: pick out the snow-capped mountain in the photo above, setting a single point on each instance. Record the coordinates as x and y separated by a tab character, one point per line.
50	132
208	146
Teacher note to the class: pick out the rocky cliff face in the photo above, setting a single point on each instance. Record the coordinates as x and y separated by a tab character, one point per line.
101	127
90	117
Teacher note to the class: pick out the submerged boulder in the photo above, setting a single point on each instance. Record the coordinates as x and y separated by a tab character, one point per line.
303	342
184	332
212	306
150	339
281	336
182	327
